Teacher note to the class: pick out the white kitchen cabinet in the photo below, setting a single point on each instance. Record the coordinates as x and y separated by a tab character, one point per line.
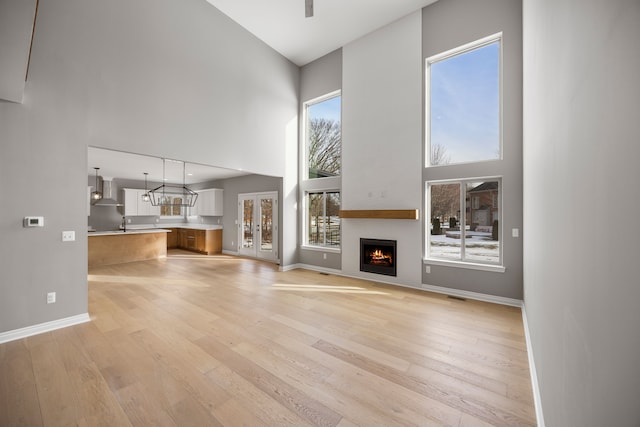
135	206
209	203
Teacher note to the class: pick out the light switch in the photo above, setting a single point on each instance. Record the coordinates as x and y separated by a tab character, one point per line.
68	236
515	232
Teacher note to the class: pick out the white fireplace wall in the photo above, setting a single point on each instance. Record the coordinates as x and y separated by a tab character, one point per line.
382	143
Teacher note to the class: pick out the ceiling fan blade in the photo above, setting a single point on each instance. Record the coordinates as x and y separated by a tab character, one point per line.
308	8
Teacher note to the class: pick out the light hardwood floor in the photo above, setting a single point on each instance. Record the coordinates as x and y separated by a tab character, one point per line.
196	340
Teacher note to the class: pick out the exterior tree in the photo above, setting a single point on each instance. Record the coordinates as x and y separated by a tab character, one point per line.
325	148
445	198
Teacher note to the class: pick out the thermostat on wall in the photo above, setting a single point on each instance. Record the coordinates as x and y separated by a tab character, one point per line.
33	221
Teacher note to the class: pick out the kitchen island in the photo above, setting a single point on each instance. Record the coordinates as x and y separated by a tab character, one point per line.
116	247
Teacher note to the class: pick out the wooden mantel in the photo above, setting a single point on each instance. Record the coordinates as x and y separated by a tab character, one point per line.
382	214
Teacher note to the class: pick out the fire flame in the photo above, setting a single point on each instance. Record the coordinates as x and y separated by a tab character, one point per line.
379	257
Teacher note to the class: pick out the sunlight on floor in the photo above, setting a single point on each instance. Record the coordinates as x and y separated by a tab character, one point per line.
325	288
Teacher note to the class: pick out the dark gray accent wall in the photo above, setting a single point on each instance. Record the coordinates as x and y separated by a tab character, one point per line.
581	176
164	78
450	24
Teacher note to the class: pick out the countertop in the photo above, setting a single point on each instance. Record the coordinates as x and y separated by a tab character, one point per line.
129	231
156	228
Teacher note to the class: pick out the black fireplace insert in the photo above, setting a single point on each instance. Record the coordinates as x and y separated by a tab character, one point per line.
378	256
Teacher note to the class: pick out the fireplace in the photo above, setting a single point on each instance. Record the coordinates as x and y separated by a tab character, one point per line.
378	256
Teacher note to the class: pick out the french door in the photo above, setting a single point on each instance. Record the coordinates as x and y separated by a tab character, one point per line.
258	225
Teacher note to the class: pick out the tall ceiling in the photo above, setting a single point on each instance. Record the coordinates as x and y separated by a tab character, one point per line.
282	24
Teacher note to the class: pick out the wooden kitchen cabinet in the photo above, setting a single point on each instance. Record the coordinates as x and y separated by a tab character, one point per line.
172	238
203	241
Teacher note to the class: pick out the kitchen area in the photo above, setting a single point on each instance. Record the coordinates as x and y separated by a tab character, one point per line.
172	205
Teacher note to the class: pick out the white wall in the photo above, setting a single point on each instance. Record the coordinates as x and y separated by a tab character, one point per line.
581	177
164	78
382	143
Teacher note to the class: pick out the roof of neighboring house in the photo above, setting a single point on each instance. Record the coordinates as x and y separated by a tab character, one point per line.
485	186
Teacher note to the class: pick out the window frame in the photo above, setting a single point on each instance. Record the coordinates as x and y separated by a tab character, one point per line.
485	41
463	262
305	233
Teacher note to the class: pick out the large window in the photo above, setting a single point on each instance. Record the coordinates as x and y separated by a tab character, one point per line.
172	206
323	135
465	221
464	104
323	220
321	167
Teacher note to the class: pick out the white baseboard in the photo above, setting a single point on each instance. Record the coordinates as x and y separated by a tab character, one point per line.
229	252
28	331
537	401
312	268
473	295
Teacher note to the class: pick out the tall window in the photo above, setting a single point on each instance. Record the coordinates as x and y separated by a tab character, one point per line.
323	221
463	104
463	126
321	169
324	136
465	221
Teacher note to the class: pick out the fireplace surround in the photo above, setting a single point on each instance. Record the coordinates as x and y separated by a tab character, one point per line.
378	256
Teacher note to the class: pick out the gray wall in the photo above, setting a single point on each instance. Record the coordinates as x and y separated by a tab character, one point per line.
163	78
450	24
581	176
318	78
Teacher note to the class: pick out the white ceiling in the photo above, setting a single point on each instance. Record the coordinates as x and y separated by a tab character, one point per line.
118	164
282	25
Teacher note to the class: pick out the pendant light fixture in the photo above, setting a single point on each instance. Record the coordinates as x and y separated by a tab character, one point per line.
145	196
97	194
173	194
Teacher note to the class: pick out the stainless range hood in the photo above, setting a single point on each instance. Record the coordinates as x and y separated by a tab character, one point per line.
107	198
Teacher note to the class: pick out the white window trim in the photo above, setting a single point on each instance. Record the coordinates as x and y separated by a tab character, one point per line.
461	263
448	54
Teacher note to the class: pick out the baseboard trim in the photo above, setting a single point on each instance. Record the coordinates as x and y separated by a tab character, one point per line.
229	252
28	331
473	295
537	401
312	268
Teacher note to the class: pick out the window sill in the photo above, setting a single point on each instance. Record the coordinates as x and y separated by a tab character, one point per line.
321	249
466	265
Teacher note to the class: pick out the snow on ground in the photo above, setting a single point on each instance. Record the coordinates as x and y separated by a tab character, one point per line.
477	248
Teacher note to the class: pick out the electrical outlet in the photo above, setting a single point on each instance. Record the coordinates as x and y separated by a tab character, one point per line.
427	269
324	256
51	297
68	236
515	232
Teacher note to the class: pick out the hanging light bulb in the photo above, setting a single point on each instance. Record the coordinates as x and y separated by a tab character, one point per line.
145	196
97	194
